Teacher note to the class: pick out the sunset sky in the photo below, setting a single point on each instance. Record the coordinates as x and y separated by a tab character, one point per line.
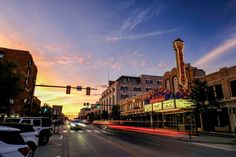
78	42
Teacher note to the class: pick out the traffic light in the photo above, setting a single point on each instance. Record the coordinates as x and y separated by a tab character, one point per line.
88	90
68	89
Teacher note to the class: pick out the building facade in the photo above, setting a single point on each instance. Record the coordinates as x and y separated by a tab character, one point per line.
223	85
22	104
126	87
168	105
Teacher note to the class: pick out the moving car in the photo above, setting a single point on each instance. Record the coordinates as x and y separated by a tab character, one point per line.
41	124
77	124
28	133
12	143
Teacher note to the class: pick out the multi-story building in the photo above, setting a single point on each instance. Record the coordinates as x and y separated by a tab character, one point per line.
22	104
166	104
126	87
223	85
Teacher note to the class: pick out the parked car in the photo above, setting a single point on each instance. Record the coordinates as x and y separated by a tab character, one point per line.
41	124
12	144
28	133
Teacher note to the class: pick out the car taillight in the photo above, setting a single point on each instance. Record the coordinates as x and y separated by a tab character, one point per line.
24	151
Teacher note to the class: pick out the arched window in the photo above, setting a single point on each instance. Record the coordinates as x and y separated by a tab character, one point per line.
175	84
168	84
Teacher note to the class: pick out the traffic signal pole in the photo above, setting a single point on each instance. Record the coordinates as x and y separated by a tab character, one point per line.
68	88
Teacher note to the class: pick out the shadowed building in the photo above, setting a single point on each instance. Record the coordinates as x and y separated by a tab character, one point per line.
22	104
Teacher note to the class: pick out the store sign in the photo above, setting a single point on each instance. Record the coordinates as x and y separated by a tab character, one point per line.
148	108
183	103
157	106
168	104
159	99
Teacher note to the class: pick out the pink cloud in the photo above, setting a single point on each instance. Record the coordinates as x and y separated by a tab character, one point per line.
217	52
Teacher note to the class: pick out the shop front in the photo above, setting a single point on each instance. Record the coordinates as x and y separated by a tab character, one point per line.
173	114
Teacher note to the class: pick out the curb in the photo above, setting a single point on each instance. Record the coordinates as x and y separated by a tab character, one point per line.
190	140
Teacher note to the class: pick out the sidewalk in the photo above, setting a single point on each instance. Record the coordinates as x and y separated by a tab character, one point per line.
204	138
216	138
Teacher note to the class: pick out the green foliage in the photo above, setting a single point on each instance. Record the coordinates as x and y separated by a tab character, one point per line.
105	115
115	112
202	96
45	110
9	83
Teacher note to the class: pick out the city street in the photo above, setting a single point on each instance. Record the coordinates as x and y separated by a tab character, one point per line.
101	141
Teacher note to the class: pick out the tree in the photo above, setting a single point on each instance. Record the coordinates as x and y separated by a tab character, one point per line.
105	115
10	85
115	114
203	99
45	110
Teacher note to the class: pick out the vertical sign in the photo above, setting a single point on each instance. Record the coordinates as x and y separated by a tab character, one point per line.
181	73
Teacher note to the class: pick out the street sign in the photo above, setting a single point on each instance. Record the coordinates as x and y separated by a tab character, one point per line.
56	110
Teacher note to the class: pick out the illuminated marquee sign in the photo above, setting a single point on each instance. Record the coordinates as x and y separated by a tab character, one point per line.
148	108
183	103
157	100
157	106
168	104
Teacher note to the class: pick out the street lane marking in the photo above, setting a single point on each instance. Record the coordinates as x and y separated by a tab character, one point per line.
216	147
96	131
61	137
88	130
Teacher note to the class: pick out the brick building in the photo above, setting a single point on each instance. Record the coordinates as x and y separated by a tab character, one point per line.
22	104
223	85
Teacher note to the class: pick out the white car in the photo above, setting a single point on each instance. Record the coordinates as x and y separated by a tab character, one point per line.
12	143
41	124
77	124
28	133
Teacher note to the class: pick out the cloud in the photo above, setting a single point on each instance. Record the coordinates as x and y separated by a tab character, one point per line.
116	66
134	21
163	64
136	17
140	36
217	52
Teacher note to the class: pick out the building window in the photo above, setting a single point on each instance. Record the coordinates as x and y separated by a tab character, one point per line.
137	88
124	88
219	91
167	84
124	96
1	54
233	88
175	84
30	62
149	82
159	82
148	89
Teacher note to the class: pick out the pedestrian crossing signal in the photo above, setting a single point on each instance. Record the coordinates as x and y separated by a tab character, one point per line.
88	90
68	88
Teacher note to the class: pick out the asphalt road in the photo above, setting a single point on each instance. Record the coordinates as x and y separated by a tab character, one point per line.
92	141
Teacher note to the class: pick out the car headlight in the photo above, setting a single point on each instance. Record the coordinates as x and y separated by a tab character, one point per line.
72	125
